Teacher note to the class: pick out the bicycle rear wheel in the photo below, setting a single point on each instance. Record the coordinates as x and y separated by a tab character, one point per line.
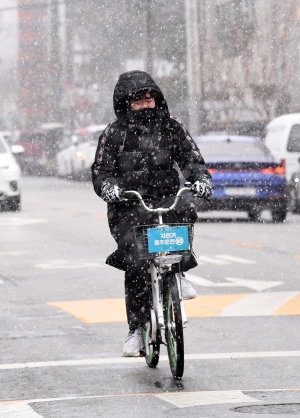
173	326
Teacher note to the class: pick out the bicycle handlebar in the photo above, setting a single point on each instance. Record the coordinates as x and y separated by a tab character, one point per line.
159	210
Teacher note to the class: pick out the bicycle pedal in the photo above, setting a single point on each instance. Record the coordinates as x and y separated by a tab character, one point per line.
142	354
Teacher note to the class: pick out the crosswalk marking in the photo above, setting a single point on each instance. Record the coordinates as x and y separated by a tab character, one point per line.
185	400
19	410
234	259
291	307
22	409
210	305
257	304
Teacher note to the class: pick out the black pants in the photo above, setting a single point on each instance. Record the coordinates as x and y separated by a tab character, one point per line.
122	217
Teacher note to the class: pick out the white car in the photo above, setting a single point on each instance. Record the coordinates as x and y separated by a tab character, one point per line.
77	154
282	137
10	176
66	156
86	149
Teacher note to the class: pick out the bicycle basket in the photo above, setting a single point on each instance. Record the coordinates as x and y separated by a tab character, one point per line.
170	238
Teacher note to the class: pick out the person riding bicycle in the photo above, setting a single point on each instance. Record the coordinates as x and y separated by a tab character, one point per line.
141	150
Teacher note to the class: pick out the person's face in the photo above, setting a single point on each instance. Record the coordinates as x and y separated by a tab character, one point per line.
147	101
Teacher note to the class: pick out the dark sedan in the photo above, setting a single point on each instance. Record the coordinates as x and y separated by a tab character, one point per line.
245	176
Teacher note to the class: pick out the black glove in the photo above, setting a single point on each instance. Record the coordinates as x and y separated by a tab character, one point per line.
111	192
203	188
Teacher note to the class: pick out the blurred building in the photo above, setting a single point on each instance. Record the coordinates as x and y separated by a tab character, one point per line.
250	58
33	61
72	52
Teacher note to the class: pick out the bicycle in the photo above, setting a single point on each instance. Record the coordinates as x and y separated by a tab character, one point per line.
164	245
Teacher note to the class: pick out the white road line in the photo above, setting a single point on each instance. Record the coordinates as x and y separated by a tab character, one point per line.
185	400
258	304
14	253
21	410
212	260
21	221
69	265
258	285
200	281
131	360
235	259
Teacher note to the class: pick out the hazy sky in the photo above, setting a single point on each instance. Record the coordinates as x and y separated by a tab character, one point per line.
8	31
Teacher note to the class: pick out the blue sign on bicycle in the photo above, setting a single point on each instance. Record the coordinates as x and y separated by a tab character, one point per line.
170	239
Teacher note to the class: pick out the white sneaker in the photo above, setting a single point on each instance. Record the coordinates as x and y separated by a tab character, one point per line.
187	290
133	344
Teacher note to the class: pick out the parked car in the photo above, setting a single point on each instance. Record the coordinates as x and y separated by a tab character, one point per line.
86	150
78	153
294	204
282	137
33	144
245	176
54	134
8	135
66	155
41	147
10	176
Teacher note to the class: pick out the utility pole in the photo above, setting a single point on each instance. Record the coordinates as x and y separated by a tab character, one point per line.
55	64
148	35
69	64
193	66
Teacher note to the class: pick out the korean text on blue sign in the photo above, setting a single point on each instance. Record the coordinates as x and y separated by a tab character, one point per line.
168	239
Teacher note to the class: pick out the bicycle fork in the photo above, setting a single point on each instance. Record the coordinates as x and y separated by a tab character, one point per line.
183	314
157	296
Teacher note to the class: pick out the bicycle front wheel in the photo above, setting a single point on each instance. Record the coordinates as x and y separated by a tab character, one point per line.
173	326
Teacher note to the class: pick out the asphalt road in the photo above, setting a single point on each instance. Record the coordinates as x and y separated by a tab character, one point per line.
62	317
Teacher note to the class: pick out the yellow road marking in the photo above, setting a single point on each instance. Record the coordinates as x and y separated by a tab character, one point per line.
95	311
71	211
244	244
208	306
247	304
297	256
291	307
113	310
98	216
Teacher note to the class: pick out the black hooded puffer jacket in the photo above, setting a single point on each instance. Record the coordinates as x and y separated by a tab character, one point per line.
134	159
